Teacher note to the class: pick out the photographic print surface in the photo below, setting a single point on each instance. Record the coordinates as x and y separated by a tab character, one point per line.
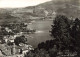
39	28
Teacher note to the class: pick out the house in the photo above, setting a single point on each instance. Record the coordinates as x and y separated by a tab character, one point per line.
22	49
25	48
5	38
8	38
54	13
11	38
7	29
15	50
46	13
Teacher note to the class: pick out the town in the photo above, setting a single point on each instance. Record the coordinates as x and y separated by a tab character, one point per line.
12	40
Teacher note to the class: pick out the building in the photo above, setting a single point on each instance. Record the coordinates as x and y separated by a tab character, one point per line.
9	38
7	29
14	50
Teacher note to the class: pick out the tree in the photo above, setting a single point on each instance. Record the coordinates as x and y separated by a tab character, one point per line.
75	33
75	28
20	39
60	31
38	53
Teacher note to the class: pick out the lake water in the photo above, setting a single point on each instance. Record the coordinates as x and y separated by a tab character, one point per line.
42	32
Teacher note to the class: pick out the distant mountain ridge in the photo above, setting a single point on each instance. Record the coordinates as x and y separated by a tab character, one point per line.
69	8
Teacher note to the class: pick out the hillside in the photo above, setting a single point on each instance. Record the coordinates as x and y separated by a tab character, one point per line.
67	8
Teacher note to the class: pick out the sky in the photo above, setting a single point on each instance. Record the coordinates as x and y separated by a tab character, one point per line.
20	3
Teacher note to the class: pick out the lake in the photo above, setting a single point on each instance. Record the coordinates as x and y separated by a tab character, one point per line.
42	32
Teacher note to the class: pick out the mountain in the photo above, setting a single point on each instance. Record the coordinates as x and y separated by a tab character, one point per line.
69	8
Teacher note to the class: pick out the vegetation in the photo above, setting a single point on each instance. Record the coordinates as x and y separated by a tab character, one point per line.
66	39
20	39
61	31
